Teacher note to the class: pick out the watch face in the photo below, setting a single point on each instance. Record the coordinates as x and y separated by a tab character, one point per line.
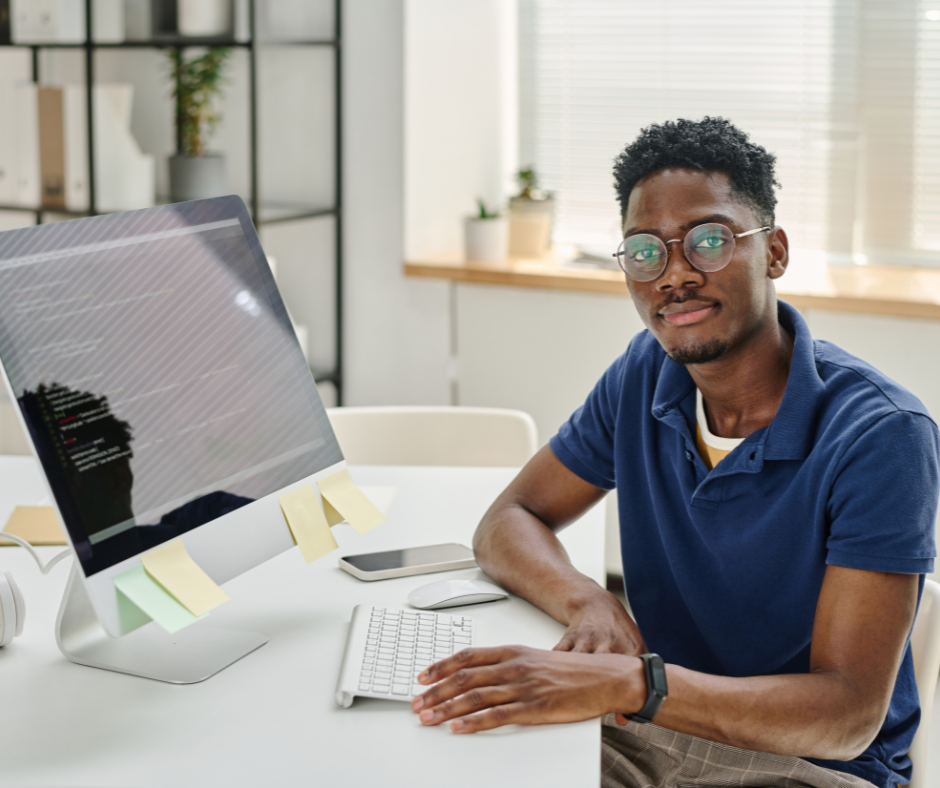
659	675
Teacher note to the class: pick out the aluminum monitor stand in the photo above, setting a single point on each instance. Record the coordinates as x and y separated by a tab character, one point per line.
185	657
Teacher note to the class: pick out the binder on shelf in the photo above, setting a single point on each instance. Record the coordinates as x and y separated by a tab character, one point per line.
52	147
5	22
26	144
8	164
124	175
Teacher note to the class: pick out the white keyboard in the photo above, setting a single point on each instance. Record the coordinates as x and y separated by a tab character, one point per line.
387	648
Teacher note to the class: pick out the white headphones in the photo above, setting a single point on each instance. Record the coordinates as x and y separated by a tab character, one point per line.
12	609
12	604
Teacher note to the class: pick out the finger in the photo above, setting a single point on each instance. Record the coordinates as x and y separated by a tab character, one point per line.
466	658
585	646
621	719
506	714
468	703
464	680
565	644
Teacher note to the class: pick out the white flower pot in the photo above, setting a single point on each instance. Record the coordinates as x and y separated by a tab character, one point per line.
530	226
204	18
486	240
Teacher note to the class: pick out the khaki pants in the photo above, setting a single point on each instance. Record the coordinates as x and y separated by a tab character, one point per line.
647	756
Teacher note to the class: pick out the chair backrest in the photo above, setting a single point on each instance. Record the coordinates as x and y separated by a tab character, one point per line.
925	648
403	435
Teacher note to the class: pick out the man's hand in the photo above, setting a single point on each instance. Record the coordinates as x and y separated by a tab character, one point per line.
483	688
602	626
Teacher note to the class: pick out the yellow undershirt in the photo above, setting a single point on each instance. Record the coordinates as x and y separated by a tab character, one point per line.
711	448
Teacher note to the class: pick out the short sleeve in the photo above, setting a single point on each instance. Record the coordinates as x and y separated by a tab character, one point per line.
883	501
585	443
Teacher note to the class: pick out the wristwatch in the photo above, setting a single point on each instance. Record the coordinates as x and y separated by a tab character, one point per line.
656	688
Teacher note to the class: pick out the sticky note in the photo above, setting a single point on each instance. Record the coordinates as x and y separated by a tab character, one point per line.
307	523
38	525
332	516
141	589
348	500
173	569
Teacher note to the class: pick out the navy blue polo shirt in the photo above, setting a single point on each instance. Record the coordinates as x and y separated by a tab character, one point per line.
723	568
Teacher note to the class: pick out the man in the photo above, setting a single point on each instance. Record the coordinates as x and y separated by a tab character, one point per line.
777	500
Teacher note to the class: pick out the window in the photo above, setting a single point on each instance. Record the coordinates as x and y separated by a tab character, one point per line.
845	92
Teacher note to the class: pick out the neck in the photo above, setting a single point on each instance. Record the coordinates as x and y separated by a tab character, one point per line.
743	390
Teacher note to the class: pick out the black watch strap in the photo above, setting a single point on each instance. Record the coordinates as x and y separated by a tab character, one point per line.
656	688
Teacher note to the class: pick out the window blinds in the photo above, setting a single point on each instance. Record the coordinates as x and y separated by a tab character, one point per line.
845	92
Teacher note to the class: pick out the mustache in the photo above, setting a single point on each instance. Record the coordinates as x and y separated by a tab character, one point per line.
681	297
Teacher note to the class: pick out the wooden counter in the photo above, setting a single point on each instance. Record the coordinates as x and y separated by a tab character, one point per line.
878	290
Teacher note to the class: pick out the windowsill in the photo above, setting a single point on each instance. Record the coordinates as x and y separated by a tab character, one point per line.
876	290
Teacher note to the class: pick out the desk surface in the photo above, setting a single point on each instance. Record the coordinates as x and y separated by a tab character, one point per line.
270	719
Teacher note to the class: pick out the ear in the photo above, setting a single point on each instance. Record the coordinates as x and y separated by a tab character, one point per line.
778	253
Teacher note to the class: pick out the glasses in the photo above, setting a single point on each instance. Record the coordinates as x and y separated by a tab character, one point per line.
709	247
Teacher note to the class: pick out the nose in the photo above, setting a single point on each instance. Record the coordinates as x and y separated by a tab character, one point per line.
680	273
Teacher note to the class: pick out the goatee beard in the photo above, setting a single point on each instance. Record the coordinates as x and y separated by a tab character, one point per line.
699	354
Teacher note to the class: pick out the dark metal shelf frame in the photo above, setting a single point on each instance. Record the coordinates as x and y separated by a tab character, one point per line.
261	213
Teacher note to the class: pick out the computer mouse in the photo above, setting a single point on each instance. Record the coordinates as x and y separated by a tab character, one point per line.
451	593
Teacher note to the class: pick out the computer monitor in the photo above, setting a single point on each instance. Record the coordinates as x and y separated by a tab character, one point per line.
162	388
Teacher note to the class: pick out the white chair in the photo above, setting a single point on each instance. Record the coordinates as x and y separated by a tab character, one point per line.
925	648
405	435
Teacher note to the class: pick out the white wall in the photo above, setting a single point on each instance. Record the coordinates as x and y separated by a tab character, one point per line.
396	330
460	116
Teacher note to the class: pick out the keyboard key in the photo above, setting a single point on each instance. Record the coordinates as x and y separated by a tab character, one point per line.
400	689
381	688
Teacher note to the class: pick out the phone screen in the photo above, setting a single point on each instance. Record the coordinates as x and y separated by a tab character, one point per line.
409	557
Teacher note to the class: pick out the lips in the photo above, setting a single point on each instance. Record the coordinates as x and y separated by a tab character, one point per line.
686	313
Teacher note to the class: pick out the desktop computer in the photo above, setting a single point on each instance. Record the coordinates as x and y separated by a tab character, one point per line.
164	393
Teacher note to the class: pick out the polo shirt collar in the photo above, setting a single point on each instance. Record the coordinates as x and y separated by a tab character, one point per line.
791	433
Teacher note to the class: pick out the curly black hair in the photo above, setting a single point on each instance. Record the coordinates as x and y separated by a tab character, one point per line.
713	144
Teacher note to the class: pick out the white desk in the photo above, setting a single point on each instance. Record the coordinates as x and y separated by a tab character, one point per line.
270	718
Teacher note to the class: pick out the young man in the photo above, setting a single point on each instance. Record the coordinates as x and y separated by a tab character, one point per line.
777	500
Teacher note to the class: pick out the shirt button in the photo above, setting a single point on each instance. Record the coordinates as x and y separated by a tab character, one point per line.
688	455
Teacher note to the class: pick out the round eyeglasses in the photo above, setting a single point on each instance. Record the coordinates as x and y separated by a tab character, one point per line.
709	247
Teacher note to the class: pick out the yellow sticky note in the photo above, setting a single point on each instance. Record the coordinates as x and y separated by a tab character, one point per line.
348	500
307	523
173	569
332	516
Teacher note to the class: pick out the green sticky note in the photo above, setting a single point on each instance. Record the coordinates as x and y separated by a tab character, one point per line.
147	594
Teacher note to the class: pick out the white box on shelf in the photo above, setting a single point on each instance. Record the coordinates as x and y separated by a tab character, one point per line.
107	16
47	21
138	20
63	21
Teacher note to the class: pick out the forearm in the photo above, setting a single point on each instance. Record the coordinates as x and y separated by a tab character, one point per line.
526	557
818	715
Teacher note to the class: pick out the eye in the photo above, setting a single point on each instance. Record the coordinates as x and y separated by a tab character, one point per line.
644	255
710	242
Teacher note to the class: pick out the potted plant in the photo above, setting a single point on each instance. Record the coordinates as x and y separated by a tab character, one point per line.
195	173
204	18
486	235
531	214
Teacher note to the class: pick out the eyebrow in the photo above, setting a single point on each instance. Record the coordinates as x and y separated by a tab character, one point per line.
715	217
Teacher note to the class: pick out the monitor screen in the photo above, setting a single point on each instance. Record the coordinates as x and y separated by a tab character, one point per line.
157	372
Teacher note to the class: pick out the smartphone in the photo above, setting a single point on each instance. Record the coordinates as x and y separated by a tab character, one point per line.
410	561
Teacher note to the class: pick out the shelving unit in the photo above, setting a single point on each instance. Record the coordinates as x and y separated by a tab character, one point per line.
262	212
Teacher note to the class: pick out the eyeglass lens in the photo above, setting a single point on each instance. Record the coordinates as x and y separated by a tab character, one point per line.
709	247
